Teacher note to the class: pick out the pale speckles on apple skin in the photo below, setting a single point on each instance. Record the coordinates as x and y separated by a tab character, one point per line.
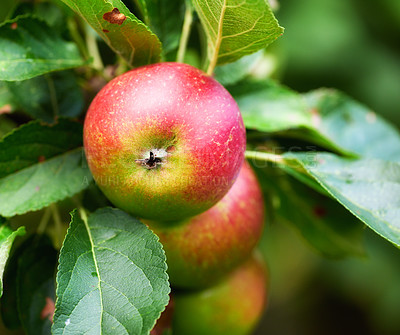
208	135
202	249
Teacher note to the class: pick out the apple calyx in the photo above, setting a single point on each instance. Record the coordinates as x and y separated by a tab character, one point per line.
155	157
152	158
164	141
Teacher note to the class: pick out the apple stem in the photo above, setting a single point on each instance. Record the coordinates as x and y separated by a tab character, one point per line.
94	49
77	38
58	225
187	23
53	95
44	221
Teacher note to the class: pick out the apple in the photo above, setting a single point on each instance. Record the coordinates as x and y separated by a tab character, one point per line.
164	141
202	249
233	307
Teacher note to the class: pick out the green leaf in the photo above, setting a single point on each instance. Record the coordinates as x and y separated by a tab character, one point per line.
36	285
236	28
231	73
47	97
8	302
40	165
34	143
269	107
368	188
352	126
272	108
327	118
111	276
7	237
165	18
29	48
53	13
120	29
328	227
6	7
42	184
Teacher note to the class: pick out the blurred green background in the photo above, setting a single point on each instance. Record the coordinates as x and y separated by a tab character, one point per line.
352	45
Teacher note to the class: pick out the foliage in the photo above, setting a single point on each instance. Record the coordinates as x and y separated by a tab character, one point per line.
330	158
97	247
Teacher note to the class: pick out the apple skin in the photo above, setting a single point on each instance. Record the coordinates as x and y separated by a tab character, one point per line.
202	249
190	124
233	307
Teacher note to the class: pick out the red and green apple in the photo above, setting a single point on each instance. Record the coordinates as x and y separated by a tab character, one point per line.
164	141
202	249
233	307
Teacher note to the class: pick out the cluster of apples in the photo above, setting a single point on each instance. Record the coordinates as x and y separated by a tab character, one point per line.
166	143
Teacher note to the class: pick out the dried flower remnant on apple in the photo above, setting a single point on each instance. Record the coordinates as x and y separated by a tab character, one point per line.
155	157
171	137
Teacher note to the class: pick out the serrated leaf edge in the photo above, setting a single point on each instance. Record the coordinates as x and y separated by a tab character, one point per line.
10	239
76	211
132	18
327	189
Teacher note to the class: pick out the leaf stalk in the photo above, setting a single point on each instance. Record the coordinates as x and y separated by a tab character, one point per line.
264	156
187	24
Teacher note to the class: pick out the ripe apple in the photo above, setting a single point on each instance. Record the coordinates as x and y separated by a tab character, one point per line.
164	141
202	249
233	307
